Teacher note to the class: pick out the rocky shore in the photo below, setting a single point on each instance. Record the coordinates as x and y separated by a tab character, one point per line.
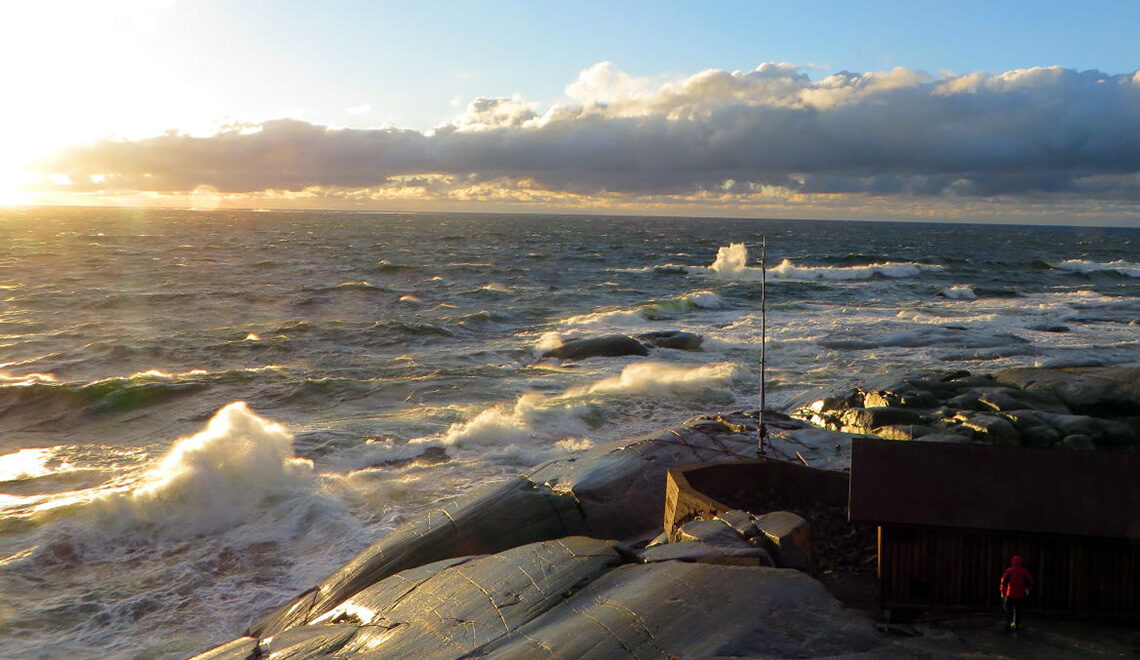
569	560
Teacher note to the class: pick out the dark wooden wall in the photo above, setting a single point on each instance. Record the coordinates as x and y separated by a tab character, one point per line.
940	567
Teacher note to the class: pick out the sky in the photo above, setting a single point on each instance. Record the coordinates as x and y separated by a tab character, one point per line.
992	111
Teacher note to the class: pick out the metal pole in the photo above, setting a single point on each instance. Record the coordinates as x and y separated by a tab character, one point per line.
760	432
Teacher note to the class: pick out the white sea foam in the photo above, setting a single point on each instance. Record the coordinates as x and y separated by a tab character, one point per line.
652	311
790	271
731	264
548	341
221	476
531	415
960	292
706	383
1131	269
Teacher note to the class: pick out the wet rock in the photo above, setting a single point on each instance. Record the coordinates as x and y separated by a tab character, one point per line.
606	346
1049	327
676	339
789	538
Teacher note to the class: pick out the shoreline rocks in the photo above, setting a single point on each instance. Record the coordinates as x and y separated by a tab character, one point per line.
1029	407
557	563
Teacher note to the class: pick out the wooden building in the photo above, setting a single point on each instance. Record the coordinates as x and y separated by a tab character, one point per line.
950	517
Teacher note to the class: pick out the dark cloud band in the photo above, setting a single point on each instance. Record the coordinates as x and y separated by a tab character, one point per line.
1028	132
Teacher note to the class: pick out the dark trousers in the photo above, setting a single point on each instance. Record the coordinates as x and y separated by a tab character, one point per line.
1012	607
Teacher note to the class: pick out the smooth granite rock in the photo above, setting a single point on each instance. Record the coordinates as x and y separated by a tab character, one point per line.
463	607
693	610
611	491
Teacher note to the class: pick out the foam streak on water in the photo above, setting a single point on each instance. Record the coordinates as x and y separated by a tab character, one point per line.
202	414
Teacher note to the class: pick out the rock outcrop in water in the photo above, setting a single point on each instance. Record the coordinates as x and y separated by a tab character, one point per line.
1075	408
675	339
605	346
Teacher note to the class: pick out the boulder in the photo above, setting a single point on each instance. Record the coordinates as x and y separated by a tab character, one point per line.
708	553
1106	432
789	538
1104	392
909	432
676	339
991	428
606	346
712	532
866	420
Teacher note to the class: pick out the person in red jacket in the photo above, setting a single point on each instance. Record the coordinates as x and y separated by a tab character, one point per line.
1014	587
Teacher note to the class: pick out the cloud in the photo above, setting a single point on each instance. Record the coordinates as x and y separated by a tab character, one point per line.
744	135
362	109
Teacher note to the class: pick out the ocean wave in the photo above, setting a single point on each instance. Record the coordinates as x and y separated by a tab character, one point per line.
115	394
222	509
651	311
707	383
731	264
1120	267
521	422
222	476
959	292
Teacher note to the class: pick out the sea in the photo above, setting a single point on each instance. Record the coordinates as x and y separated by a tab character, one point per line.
202	414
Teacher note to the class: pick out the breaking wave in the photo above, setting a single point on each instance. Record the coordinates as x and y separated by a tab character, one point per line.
1121	267
707	383
651	311
959	292
731	264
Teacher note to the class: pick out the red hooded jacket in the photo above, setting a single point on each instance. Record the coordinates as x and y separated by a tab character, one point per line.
1015	580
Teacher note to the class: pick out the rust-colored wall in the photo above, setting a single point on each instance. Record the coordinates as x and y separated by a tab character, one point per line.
695	491
933	567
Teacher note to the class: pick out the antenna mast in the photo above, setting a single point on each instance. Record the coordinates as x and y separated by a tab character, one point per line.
761	434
